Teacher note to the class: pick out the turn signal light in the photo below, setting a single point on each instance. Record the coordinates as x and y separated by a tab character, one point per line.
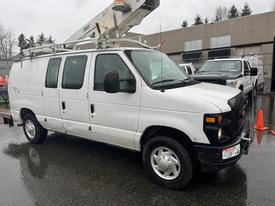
213	119
210	120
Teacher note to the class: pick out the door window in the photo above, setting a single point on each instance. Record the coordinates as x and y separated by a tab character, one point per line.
246	68
74	72
108	63
52	73
189	70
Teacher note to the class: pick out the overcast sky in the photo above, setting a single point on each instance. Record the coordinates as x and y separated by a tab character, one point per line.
61	18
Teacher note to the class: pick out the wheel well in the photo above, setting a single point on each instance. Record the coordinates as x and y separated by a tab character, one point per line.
25	111
173	133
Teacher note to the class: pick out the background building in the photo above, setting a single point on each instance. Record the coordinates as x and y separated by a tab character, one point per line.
245	36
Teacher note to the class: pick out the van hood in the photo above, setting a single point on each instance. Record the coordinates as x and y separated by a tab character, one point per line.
216	77
211	93
201	98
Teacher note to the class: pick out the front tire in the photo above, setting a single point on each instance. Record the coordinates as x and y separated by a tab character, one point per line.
34	132
167	162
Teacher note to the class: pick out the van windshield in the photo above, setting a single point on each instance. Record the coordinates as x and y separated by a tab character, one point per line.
222	66
156	68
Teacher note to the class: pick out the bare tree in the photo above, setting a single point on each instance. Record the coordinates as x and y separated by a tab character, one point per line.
221	14
7	43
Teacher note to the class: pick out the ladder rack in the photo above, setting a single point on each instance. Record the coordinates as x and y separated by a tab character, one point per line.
100	43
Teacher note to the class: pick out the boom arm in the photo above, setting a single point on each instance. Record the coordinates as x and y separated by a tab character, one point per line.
117	19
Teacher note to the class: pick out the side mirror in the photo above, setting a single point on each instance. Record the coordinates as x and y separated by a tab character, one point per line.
111	82
254	71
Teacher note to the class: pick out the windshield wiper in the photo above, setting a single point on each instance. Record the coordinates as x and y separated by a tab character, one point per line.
187	79
164	81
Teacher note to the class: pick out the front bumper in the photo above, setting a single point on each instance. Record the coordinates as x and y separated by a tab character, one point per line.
210	157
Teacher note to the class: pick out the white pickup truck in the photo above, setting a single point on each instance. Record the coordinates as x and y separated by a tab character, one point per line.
120	97
233	72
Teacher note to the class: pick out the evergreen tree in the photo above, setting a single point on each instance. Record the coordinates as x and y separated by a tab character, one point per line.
31	42
233	12
184	24
50	40
206	20
198	20
246	11
22	42
41	39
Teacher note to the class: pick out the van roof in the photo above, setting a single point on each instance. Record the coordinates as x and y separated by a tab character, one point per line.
90	51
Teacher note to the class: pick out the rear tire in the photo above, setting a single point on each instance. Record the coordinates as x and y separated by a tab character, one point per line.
167	162
34	132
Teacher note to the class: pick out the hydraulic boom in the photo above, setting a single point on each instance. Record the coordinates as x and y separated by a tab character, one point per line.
116	19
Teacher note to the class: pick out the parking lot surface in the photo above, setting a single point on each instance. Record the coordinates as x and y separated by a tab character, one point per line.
71	171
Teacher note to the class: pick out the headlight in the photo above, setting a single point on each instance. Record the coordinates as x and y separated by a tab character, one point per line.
231	82
220	134
213	127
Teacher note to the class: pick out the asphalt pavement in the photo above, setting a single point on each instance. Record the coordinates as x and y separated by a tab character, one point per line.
71	171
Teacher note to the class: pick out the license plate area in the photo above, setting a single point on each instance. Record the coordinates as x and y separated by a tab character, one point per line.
231	152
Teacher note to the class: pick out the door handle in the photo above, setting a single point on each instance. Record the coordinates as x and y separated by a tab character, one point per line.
63	105
92	107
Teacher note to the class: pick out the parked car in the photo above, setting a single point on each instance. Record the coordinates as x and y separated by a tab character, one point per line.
3	91
118	96
233	72
188	68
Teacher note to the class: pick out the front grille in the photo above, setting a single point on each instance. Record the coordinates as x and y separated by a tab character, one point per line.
232	122
237	115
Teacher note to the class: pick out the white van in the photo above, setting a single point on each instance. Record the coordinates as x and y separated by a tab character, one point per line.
114	96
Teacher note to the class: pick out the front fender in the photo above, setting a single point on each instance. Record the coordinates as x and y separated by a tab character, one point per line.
190	124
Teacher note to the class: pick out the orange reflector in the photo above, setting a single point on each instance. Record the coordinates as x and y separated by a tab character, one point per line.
210	119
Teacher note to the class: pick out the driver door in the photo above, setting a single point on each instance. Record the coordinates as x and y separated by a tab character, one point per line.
114	117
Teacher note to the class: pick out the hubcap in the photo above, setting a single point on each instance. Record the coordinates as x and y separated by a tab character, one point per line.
165	163
30	129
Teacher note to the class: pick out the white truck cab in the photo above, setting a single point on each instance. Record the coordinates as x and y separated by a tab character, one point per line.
233	72
136	99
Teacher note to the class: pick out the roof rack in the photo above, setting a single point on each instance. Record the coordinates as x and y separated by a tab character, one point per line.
100	43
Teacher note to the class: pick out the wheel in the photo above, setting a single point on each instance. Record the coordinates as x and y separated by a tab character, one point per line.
167	162
34	132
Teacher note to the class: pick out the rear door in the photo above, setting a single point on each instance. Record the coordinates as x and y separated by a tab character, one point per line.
74	95
52	114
